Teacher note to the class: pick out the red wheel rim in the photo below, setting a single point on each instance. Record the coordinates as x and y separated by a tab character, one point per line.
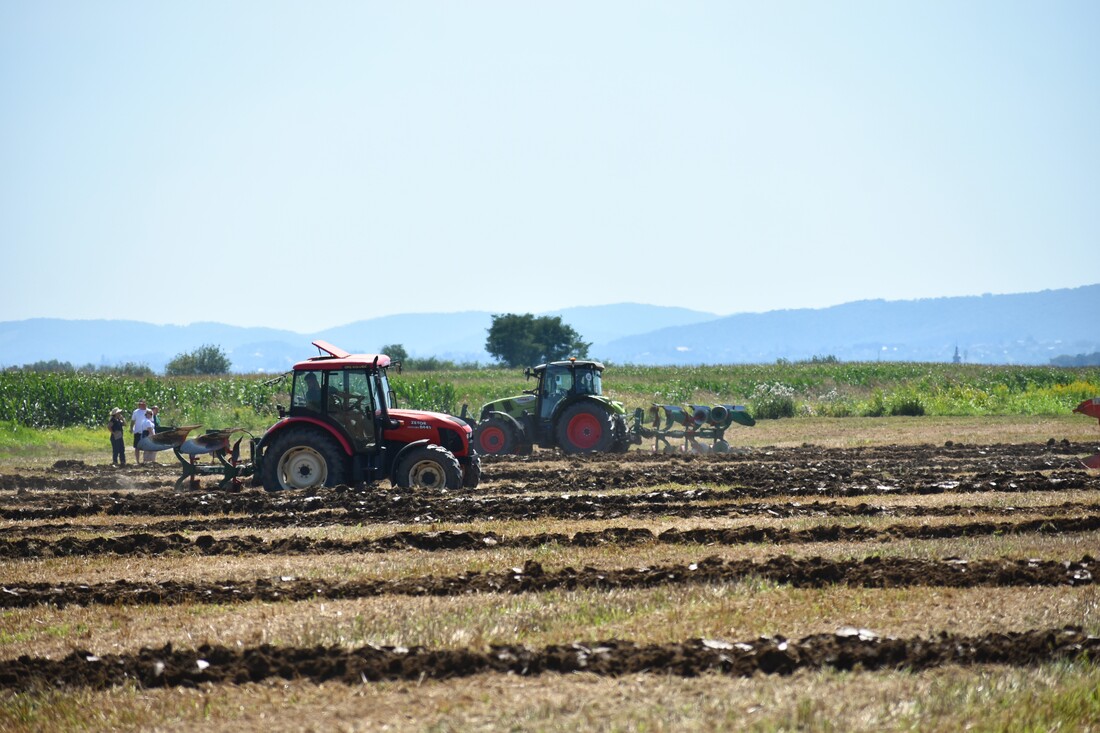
584	431
491	440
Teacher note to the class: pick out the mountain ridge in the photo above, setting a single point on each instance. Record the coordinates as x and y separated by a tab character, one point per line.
1005	328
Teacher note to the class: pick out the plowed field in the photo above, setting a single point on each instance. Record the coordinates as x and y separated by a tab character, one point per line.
875	587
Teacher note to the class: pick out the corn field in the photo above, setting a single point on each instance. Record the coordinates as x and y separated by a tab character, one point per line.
66	400
53	400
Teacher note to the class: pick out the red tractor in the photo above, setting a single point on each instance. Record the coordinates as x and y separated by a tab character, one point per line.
342	428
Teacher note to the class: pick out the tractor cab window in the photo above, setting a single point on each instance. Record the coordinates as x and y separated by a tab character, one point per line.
588	382
351	401
383	395
307	390
557	381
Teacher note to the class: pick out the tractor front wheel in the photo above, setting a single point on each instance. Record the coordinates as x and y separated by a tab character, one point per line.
471	474
428	467
585	428
495	437
303	459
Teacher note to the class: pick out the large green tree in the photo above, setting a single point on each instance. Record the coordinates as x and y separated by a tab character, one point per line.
396	352
203	360
524	340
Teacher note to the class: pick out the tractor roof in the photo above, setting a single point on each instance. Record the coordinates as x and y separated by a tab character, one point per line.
569	363
336	358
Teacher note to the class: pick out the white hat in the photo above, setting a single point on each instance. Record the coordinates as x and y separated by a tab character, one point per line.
115	411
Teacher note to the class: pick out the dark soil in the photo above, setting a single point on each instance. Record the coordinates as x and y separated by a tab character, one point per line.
847	650
148	544
772	483
813	572
376	504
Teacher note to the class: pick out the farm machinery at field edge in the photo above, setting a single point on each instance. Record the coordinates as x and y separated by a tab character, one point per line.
568	410
342	427
1090	408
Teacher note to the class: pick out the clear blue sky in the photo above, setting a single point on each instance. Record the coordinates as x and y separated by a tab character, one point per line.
305	165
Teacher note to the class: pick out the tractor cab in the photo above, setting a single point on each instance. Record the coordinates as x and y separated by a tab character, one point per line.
352	398
561	380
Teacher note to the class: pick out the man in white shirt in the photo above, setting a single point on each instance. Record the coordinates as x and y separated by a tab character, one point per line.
137	426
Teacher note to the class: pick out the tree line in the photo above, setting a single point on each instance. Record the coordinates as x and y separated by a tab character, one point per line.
207	360
514	340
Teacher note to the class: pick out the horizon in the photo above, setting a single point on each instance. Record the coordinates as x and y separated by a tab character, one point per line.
716	316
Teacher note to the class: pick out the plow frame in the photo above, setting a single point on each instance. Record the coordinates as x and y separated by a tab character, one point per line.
231	468
690	432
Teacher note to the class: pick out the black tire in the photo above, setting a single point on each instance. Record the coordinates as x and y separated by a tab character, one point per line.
495	437
585	428
471	474
428	467
303	458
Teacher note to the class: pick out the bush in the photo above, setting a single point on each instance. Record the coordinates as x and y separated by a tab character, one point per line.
876	406
772	401
909	405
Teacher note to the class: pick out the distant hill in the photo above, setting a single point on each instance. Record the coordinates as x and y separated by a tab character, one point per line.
1026	328
458	337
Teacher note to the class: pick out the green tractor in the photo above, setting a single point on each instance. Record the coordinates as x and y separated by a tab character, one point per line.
566	410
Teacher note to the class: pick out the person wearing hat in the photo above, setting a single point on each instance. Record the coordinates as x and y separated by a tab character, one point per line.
137	427
118	445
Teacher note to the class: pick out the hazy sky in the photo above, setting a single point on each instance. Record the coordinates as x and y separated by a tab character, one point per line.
304	165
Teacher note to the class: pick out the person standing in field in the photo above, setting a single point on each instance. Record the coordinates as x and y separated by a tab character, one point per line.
118	445
137	423
148	429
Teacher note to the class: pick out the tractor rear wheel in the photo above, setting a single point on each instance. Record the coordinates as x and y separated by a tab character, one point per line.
495	437
301	459
585	427
428	467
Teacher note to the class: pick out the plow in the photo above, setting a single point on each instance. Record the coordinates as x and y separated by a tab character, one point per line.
225	462
701	428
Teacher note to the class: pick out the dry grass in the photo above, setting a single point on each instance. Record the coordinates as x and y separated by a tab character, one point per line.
400	564
1051	697
734	612
1047	697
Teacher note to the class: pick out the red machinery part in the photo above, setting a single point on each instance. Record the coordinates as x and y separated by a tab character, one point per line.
1089	407
1092	409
